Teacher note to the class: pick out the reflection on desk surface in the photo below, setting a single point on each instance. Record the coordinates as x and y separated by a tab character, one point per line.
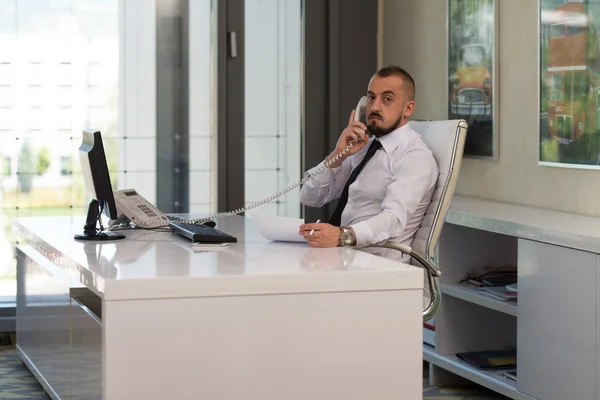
154	254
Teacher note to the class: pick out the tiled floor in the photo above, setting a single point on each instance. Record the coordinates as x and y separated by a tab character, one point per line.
16	382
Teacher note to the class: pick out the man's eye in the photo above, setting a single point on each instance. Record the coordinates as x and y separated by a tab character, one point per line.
388	99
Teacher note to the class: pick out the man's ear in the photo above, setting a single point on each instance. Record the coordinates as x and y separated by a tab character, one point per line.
409	108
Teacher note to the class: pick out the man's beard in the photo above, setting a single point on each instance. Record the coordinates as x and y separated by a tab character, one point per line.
380	131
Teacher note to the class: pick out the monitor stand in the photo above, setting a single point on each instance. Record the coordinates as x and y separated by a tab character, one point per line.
90	232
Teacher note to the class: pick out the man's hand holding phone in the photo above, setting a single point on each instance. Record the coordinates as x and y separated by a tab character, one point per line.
355	132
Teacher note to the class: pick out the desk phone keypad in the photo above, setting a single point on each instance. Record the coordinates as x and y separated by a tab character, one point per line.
147	210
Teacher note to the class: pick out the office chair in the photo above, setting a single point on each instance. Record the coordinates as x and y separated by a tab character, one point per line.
446	140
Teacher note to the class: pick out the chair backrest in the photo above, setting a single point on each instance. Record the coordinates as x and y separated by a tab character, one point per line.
446	140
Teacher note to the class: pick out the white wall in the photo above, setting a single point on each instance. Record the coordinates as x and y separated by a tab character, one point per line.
414	36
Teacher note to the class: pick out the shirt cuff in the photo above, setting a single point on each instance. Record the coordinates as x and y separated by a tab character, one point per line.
334	169
363	234
325	176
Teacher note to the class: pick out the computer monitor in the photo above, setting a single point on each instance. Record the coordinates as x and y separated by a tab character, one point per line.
97	184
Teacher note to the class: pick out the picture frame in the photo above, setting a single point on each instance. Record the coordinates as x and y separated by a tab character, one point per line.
472	90
568	60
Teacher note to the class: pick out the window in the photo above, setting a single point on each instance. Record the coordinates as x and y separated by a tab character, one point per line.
64	96
65	165
35	95
6	95
48	73
7	117
273	51
35	73
64	73
556	82
574	29
556	96
558	30
6	73
6	166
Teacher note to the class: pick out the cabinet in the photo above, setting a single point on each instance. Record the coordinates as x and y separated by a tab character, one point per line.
59	329
557	324
554	324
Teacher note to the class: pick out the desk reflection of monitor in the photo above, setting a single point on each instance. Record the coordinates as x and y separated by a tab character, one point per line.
106	258
97	262
97	184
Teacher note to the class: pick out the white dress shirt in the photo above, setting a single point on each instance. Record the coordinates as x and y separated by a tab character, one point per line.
390	195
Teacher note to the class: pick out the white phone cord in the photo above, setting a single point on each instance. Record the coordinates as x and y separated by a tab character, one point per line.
269	199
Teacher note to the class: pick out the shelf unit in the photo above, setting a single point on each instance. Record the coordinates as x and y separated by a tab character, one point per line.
492	380
557	257
471	294
468	320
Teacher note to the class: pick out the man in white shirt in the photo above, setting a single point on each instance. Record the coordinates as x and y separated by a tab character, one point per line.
389	193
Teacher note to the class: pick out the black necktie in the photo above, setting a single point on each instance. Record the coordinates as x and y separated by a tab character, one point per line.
336	217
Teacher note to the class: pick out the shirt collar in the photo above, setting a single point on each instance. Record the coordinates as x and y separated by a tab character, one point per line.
397	138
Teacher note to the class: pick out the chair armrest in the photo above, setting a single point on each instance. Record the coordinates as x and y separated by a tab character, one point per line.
433	275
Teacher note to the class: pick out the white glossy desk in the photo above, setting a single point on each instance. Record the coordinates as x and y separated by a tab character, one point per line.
148	317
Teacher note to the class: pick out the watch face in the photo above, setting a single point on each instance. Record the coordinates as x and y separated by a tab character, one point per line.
343	232
347	236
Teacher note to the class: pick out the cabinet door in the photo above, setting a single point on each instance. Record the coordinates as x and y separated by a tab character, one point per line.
86	351
556	356
43	324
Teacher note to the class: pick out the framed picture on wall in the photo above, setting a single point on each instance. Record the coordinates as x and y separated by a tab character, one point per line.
472	73
569	66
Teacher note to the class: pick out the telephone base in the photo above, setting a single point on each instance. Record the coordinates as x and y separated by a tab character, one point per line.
122	219
99	236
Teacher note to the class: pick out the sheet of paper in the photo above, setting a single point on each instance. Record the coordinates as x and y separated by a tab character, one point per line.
283	229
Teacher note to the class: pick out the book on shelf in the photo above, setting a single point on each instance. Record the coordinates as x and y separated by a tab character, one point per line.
497	293
495	359
512	289
490	276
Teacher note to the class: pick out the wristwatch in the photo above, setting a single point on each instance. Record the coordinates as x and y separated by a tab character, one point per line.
347	237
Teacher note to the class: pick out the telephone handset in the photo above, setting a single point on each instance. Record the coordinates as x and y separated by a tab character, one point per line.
133	207
359	114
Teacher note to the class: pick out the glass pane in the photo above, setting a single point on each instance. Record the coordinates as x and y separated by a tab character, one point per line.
557	82
558	30
202	177
272	104
65	47
574	29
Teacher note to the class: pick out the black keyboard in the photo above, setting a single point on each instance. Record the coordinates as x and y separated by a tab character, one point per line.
201	233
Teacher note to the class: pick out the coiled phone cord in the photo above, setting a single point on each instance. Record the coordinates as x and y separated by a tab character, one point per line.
271	198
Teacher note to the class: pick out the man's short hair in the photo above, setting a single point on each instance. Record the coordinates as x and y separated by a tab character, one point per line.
391	70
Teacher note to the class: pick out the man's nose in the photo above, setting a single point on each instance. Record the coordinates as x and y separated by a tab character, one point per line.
376	106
